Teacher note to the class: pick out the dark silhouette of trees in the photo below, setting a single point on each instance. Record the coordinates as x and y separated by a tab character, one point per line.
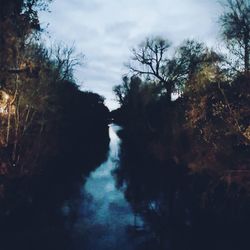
121	91
128	91
51	133
19	25
175	154
40	100
194	57
152	60
65	60
172	73
188	160
235	24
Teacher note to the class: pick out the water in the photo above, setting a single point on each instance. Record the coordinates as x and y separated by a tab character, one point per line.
105	215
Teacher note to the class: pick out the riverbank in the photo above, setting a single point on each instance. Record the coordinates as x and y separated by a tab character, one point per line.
174	202
186	163
31	201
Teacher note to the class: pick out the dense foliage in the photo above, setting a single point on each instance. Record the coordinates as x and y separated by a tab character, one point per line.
186	145
51	133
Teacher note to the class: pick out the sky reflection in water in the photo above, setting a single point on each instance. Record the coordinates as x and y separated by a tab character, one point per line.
106	214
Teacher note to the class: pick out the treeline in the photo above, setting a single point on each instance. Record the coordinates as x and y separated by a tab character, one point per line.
193	100
40	100
51	133
186	143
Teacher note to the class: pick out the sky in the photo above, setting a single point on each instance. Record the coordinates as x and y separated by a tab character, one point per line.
105	31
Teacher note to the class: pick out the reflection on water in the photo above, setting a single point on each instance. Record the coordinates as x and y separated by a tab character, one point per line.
105	215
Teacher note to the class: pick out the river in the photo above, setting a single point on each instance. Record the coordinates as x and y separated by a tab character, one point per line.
105	215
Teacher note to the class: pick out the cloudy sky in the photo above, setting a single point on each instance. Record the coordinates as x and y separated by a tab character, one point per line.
106	30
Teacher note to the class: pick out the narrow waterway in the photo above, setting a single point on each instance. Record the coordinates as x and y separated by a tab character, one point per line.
105	215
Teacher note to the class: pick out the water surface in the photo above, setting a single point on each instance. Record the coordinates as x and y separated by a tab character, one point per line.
105	215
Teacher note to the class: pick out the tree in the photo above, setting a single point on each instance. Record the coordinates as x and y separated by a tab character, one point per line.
151	59
121	91
66	59
128	91
173	73
21	62
235	23
198	64
19	25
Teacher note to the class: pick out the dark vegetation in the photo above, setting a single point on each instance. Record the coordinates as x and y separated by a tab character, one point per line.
186	143
51	134
184	160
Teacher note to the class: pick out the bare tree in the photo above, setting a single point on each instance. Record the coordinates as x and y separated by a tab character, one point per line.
151	59
235	24
173	72
66	60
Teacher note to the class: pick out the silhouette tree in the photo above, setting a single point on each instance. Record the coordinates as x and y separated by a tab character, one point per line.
199	65
151	59
172	73
235	23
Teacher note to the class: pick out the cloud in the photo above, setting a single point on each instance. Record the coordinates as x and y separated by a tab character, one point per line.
106	30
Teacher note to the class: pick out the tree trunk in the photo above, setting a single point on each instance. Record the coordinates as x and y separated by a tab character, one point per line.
17	123
169	92
246	54
8	125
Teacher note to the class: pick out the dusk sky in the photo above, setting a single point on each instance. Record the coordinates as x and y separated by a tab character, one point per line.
106	30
